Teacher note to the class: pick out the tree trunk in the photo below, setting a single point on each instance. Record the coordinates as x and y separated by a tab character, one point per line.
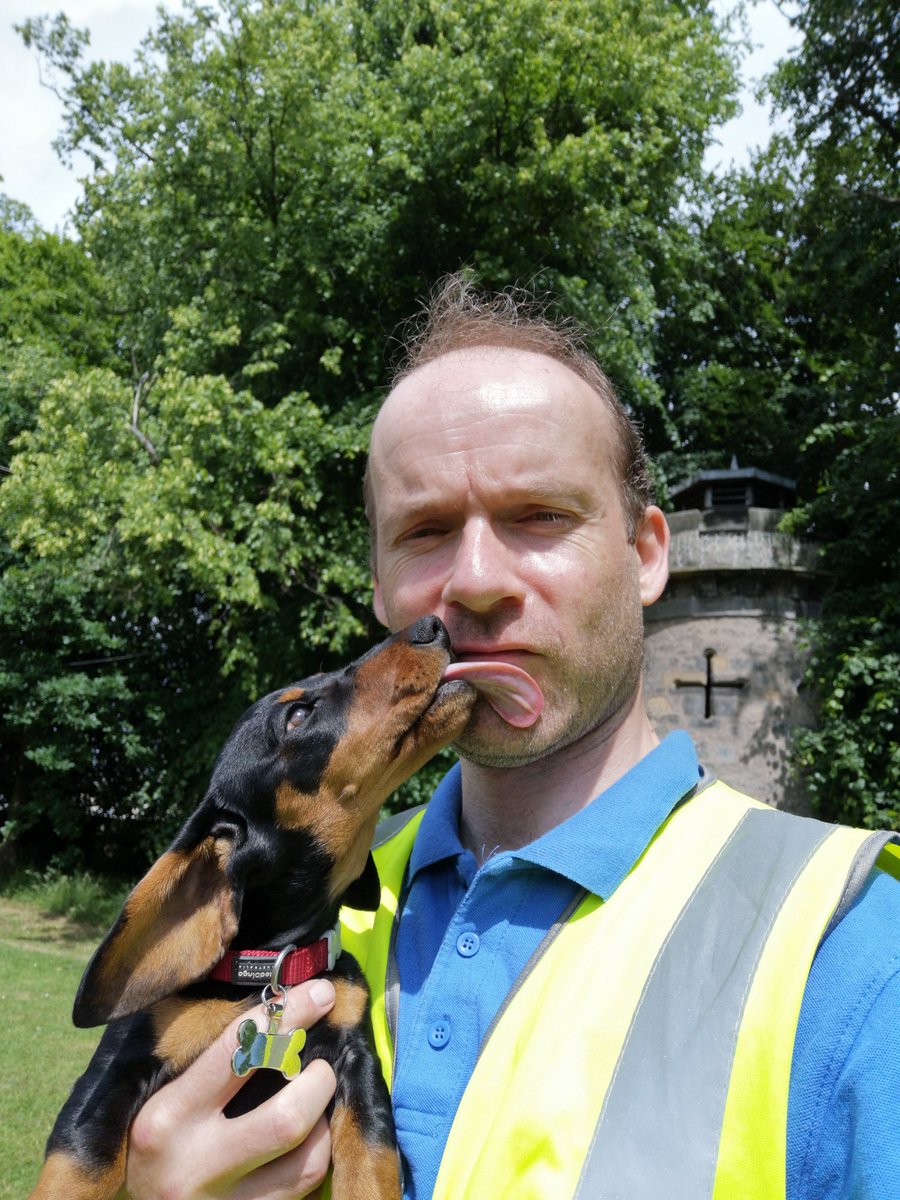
18	797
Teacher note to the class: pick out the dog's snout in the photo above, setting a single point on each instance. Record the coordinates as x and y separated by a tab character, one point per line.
428	631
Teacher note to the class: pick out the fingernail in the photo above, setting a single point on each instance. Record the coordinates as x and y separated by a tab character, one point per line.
322	992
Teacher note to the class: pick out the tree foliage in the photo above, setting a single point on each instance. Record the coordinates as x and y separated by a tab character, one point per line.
170	528
185	392
273	186
851	760
842	89
282	180
787	357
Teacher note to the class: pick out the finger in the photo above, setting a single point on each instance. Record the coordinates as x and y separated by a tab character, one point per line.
209	1083
305	1004
277	1126
294	1174
205	1156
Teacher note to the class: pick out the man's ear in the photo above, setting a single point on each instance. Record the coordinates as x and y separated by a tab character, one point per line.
172	930
652	546
364	893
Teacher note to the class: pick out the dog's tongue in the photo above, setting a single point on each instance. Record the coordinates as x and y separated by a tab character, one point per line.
509	690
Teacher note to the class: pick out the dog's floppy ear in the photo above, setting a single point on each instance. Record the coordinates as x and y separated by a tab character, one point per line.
364	893
172	930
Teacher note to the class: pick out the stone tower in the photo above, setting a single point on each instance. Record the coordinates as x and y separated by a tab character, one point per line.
723	658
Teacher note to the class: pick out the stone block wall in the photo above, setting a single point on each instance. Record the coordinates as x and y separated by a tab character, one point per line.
731	618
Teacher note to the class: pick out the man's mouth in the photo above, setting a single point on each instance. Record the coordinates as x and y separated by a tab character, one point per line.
509	690
499	653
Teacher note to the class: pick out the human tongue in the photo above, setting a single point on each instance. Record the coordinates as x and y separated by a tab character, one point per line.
509	690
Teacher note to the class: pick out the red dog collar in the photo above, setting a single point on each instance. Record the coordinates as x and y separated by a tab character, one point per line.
254	967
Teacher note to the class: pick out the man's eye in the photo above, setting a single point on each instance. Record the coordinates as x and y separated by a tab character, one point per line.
424	531
547	516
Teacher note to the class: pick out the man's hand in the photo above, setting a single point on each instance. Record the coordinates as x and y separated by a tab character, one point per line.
183	1148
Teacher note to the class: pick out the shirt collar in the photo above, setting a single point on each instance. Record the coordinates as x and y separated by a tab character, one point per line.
596	847
438	836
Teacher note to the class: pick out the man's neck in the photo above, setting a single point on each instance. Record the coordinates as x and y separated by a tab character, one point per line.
504	808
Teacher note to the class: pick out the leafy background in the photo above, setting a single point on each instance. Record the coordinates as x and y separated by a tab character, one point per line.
186	386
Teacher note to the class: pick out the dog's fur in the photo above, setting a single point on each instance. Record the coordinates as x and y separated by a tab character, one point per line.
279	843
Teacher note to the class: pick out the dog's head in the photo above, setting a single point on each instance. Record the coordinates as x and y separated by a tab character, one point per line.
282	836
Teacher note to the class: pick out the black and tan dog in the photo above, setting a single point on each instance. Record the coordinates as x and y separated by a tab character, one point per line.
279	843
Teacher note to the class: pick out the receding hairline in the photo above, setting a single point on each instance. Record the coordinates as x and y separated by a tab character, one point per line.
458	317
494	351
607	404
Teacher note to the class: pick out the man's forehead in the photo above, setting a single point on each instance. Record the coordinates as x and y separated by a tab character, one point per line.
479	382
510	429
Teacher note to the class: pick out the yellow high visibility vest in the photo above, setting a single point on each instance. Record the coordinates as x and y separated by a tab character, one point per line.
645	1051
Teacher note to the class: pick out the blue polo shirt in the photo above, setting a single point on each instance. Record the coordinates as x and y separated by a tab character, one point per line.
466	934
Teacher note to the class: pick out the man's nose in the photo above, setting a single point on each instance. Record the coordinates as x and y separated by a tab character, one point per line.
483	572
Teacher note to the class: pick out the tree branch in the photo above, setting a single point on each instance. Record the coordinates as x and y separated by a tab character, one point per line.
869	194
135	412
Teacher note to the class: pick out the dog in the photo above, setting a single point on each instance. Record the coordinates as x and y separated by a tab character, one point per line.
278	845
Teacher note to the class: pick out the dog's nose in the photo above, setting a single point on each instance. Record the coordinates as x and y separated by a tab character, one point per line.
428	631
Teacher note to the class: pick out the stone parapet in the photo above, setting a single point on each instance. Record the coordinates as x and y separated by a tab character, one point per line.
722	541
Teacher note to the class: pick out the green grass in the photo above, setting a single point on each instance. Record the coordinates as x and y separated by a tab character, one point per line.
85	899
42	957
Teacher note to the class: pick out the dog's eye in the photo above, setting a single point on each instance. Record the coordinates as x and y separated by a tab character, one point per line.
297	714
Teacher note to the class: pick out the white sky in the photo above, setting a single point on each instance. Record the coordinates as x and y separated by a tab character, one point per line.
31	116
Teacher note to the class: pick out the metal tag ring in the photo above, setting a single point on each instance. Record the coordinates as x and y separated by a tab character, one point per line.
275	984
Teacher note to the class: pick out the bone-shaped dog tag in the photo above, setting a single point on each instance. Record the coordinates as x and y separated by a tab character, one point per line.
278	1051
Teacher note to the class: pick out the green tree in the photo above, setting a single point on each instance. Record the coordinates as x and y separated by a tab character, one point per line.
783	350
842	90
851	760
168	568
273	186
188	507
731	360
284	179
52	319
53	316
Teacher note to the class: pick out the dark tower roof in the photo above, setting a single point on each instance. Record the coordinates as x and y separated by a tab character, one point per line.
738	487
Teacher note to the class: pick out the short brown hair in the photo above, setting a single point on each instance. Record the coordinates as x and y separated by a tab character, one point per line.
457	316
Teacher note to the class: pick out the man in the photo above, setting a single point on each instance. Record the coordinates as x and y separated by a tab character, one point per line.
603	955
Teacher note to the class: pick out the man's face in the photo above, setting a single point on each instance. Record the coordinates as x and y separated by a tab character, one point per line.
496	508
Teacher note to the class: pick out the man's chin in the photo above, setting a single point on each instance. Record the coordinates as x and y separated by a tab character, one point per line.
488	741
481	755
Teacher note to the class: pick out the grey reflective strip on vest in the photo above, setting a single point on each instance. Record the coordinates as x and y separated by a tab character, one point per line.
658	1132
859	872
391	826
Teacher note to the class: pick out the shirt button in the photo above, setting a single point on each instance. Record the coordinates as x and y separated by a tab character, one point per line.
439	1035
468	944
